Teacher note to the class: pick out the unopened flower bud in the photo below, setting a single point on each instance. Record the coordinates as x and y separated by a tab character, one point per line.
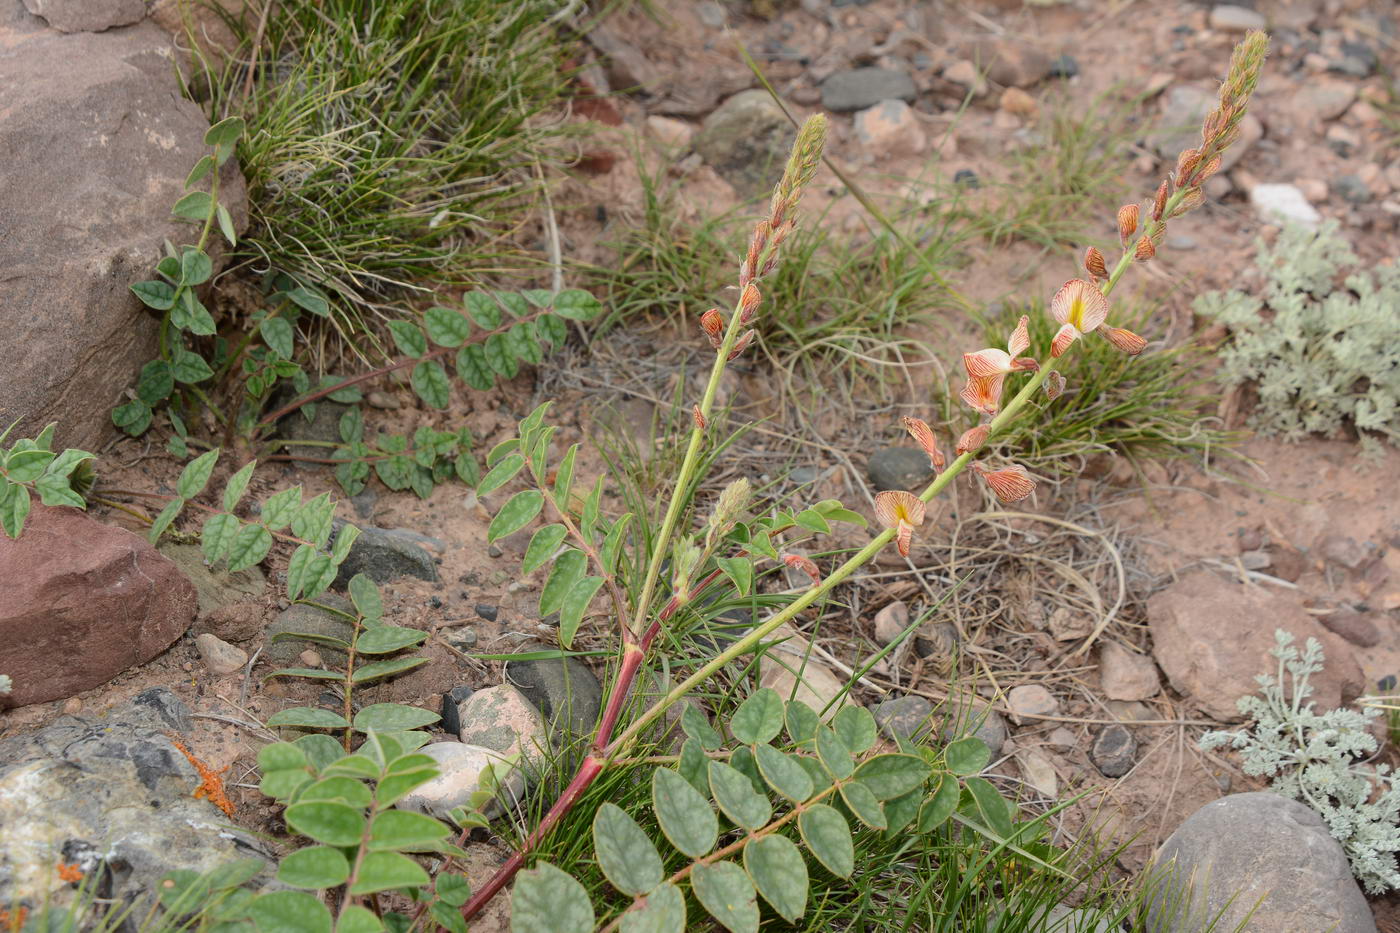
742	344
1127	222
1159	203
699	417
1192	199
1054	385
748	303
1011	484
804	564
1146	249
973	438
1185	164
712	323
1094	263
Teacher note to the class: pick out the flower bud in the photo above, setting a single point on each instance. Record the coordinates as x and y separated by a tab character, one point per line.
1127	222
698	417
1094	263
973	438
923	436
1054	385
748	303
712	323
1146	249
1185	163
1159	204
804	564
1010	484
742	344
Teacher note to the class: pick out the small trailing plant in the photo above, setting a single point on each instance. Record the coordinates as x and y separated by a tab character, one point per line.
1321	350
726	552
31	466
1321	760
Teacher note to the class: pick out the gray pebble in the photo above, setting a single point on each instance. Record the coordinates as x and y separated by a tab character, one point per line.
1113	751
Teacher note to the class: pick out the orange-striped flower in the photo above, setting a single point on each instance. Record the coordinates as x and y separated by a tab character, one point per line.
1011	484
987	369
1094	263
804	564
749	302
901	512
698	417
742	343
972	439
923	436
712	323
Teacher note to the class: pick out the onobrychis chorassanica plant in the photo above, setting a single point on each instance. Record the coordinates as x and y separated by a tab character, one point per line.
734	544
1322	760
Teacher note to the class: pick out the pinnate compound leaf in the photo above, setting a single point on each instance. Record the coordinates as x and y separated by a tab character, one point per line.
453	889
685	816
783	773
856	727
326	821
726	891
734	793
500	474
547	900
445	327
661	911
759	718
380	871
289	912
778	871
863	804
314	867
890	776
967	755
430	382
55	490
543	544
519	511
625	854
828	837
575	604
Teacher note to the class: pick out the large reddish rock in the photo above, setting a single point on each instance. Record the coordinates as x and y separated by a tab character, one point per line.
83	602
1211	637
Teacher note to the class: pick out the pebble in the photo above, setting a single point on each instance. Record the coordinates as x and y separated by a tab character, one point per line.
890	621
903	717
382	400
938	642
1060	737
1064	67
1283	203
1181	242
450	701
1343	550
1256	560
563	689
494	550
1018	102
1231	18
890	128
966	178
218	655
859	88
1356	627
1352	189
711	14
1125	674
1113	751
72	706
668	131
966	73
1011	63
1038	772
1358	60
1066	625
310	658
904	468
1323	99
746	141
965	715
487	611
461	767
461	637
502	719
385	555
1342	140
1314	189
1032	700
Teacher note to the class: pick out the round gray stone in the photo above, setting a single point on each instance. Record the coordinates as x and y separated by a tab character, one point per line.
1113	751
903	717
904	468
859	88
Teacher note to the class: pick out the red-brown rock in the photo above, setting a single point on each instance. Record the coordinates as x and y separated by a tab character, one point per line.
83	602
1211	637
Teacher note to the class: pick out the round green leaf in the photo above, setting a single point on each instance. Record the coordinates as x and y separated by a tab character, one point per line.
155	382
856	727
802	722
989	806
967	755
759	718
546	900
365	595
430	381
195	267
250	545
393	717
826	834
408	338
277	334
574	605
624	852
499	357
890	776
379	669
341	790
305	717
335	824
939	805
445	327
155	294
568	570
314	867
863	804
289	912
196	475
356	919
380	871
500	474
778	871
543	544
661	911
835	757
473	369
783	773
382	639
218	534
577	305
734	793
685	816
483	310
724	889
519	511
405	830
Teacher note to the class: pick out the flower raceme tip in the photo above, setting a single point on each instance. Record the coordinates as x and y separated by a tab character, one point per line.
987	369
900	512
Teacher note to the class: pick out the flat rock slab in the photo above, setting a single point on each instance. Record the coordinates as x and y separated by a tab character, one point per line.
96	140
83	602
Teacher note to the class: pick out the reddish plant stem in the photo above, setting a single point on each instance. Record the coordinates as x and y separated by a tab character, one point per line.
294	404
632	655
587	771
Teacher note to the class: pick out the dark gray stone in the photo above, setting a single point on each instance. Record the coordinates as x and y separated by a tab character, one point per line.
903	717
300	617
904	468
323	425
966	178
564	689
967	716
1113	751
1260	858
1064	67
1358	60
865	87
487	611
384	556
1352	189
450	700
746	141
113	794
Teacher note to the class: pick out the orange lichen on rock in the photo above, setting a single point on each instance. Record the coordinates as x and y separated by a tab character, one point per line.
211	787
70	873
13	921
